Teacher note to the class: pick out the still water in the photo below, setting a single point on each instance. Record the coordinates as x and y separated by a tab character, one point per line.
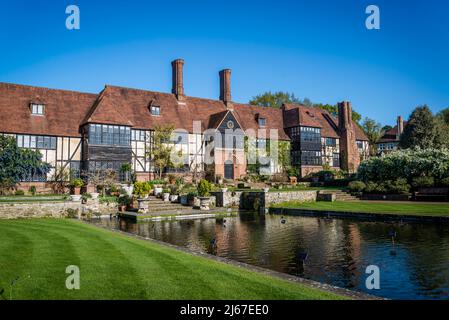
336	251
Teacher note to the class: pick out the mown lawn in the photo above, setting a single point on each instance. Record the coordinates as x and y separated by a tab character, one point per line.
115	266
424	209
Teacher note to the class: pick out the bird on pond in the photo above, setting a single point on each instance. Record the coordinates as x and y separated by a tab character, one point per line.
283	221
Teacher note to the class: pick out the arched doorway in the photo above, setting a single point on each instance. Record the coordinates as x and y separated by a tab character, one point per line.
229	170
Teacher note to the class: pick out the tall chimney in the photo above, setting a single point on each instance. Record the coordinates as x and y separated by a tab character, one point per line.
344	115
400	127
225	87
177	79
349	154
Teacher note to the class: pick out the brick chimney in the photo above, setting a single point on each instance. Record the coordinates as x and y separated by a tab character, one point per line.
177	79
349	154
400	127
225	87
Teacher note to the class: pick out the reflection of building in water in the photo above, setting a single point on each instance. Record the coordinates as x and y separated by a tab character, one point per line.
232	236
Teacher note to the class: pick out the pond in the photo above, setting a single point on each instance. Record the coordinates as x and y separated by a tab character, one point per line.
333	251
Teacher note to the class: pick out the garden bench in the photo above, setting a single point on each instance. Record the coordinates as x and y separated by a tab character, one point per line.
432	194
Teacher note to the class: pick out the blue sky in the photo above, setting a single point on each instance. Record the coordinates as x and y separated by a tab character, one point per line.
315	49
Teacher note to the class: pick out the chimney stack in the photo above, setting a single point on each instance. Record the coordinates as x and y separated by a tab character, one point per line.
225	87
177	79
400	127
349	154
345	115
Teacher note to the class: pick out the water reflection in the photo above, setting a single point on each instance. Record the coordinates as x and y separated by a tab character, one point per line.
335	251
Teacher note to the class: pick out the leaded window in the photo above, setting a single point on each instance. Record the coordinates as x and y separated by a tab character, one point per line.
109	135
36	142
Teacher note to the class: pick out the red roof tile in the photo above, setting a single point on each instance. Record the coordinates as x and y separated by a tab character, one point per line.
64	110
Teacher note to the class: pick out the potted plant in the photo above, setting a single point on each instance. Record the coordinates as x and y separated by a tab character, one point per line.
123	202
191	198
174	193
166	194
125	169
77	184
204	188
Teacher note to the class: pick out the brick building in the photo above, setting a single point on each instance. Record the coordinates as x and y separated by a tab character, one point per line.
390	139
84	131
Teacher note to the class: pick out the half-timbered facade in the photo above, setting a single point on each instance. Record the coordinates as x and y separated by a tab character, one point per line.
84	132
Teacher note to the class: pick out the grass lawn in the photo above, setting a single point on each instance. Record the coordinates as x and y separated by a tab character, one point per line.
115	266
423	209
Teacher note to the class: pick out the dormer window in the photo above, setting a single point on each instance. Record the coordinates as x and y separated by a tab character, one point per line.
155	110
37	109
262	122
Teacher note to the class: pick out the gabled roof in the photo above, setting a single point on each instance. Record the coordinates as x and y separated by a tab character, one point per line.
64	110
106	111
296	114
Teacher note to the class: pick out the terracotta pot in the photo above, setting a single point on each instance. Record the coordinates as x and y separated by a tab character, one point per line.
77	191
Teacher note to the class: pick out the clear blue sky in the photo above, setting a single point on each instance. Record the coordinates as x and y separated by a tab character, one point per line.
315	49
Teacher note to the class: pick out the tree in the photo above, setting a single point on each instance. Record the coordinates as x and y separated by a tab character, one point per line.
421	131
18	164
274	100
277	99
161	151
386	128
444	116
60	177
374	132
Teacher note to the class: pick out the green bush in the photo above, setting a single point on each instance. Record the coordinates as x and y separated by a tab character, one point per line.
356	186
444	182
72	213
77	183
423	182
407	164
191	195
141	189
124	200
204	188
19	193
32	190
400	186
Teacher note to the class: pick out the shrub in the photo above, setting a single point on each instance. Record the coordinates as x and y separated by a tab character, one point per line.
371	187
400	186
444	182
124	200
191	195
32	190
86	196
72	213
141	188
356	186
77	183
19	193
204	188
423	182
406	164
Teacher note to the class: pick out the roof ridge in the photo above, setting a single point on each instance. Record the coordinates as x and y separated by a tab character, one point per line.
45	88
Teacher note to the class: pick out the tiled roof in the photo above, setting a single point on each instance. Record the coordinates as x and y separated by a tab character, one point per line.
65	111
391	135
316	117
